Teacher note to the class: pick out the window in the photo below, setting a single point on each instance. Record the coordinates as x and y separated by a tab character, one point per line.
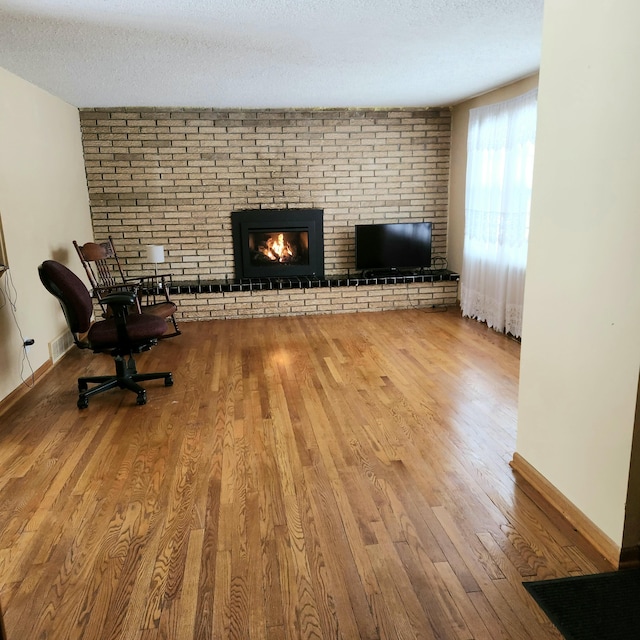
500	153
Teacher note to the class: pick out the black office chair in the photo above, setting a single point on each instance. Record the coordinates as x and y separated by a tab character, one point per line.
121	335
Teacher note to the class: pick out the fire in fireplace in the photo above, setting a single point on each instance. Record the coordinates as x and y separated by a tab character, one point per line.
270	247
274	243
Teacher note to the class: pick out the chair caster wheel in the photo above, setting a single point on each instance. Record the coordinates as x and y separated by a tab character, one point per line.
168	381
142	398
83	403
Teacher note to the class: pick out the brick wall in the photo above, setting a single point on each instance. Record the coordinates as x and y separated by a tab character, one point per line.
253	304
173	177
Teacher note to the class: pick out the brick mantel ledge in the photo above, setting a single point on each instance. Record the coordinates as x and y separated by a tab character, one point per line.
307	296
271	284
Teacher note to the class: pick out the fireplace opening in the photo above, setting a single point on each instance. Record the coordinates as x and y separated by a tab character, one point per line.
279	247
276	243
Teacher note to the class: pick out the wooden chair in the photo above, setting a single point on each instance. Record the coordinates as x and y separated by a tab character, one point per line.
106	275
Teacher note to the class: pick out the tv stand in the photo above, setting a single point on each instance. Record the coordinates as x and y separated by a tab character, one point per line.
391	273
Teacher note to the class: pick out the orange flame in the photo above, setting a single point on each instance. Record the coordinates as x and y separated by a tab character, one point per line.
277	249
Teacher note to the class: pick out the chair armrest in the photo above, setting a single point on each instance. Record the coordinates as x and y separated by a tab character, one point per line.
104	290
150	281
120	299
119	304
155	281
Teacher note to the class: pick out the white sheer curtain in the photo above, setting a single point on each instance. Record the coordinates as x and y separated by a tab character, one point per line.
500	150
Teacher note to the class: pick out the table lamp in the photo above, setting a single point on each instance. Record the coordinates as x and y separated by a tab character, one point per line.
155	255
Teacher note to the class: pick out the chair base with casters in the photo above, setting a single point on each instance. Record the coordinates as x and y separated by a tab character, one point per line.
126	377
121	335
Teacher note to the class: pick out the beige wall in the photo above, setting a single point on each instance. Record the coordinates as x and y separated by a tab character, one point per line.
43	204
581	335
458	175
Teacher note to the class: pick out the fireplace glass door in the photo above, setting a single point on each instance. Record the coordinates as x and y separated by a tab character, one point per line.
278	247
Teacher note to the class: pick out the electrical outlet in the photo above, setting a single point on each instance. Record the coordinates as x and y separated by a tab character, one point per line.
28	343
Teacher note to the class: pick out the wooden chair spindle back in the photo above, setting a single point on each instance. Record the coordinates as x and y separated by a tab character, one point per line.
101	263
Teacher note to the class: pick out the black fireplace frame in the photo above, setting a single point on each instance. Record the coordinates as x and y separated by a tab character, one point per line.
249	220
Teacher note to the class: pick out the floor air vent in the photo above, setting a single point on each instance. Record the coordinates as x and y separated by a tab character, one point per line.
60	346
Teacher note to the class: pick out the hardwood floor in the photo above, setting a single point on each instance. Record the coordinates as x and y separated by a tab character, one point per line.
340	476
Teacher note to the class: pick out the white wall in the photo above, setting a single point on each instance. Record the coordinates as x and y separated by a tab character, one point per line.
44	205
581	334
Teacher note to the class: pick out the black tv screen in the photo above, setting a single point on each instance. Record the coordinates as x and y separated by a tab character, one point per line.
401	245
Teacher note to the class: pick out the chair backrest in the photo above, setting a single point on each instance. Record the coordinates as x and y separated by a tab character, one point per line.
71	292
101	263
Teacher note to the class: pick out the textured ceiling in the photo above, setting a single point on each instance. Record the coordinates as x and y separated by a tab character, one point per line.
269	53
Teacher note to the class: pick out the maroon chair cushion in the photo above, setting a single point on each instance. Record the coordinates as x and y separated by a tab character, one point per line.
140	328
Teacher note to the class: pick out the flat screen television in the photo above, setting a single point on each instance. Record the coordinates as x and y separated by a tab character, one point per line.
395	246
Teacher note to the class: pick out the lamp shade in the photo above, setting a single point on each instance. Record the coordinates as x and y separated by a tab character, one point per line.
155	253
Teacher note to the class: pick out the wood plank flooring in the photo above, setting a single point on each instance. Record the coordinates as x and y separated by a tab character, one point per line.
341	476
